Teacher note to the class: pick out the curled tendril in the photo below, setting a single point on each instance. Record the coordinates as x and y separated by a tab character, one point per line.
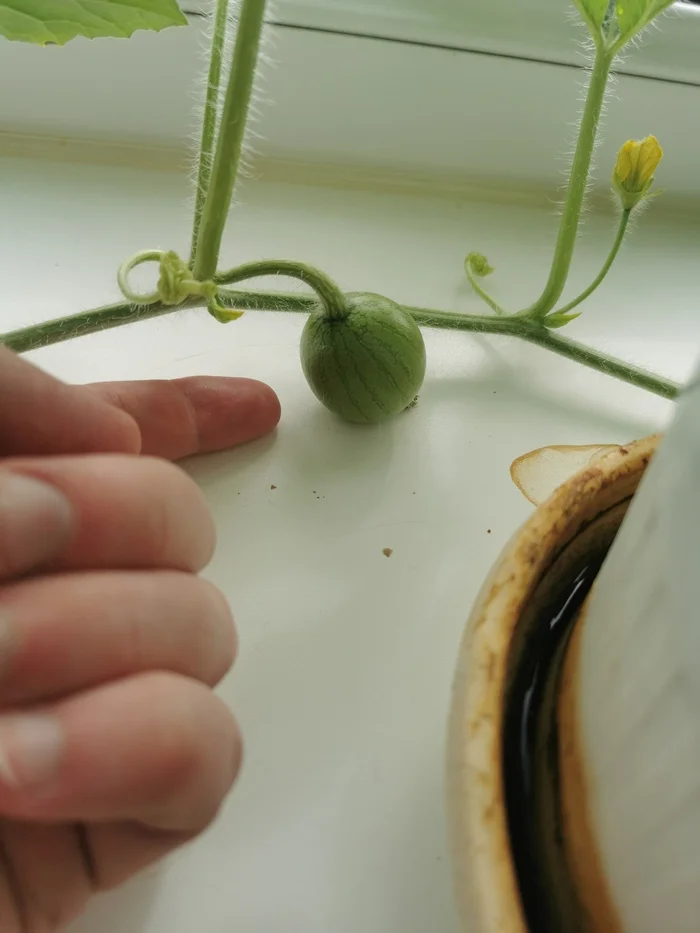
478	264
477	267
176	284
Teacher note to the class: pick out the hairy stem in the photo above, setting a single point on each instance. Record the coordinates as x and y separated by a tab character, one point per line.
211	111
580	168
231	132
602	362
621	230
81	324
330	295
90	322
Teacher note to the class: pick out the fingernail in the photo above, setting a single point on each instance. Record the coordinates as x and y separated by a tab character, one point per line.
36	521
31	748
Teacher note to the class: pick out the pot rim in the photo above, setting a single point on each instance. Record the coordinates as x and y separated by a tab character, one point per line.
484	873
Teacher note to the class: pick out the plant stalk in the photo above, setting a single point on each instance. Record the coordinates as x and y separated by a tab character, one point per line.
90	322
230	142
602	362
615	249
211	112
578	180
82	324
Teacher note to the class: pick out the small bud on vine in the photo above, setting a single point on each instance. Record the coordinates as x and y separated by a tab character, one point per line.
633	175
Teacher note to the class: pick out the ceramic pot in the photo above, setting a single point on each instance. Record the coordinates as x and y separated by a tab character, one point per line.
523	859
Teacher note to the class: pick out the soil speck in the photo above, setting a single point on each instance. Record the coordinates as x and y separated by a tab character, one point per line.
273	486
388	551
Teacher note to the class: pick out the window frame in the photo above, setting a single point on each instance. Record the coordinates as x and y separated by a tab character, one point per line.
537	30
461	120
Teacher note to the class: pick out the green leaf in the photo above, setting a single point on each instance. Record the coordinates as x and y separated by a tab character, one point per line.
593	13
630	15
658	6
594	10
635	15
58	21
559	319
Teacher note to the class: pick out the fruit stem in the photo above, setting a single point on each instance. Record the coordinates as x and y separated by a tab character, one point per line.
331	297
90	322
621	230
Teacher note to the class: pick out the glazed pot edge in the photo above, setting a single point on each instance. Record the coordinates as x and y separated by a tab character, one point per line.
484	874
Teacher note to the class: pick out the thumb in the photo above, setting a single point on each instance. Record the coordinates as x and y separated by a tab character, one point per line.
36	522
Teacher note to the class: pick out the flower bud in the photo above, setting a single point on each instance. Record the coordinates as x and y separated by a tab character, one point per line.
634	170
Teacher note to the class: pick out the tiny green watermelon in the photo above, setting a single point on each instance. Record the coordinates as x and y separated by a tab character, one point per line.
367	365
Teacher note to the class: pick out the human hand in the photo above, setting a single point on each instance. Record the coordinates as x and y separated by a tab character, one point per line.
113	747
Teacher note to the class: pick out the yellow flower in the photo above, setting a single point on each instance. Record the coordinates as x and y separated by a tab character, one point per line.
634	170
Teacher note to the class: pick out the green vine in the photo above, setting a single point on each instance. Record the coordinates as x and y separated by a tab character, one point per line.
90	322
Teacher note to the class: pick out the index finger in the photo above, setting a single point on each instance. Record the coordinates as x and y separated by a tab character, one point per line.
171	419
198	414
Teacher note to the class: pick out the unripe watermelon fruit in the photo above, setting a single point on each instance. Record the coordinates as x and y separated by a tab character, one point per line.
367	365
